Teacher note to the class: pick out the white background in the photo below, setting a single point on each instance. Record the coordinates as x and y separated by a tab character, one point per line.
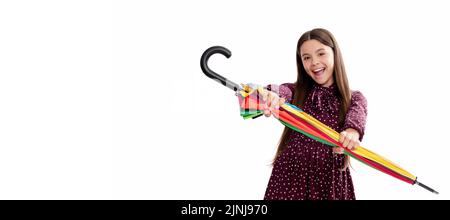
106	99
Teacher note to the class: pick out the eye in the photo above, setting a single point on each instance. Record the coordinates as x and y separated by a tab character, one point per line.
305	58
321	54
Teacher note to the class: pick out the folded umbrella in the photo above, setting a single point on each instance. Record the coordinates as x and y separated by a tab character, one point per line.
251	105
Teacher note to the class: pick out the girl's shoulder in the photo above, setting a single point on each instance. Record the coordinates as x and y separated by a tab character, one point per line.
290	86
356	93
283	86
357	96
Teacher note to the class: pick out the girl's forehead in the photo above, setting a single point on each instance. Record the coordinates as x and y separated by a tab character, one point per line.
312	46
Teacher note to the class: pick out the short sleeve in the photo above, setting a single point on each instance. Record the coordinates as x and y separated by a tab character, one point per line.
357	114
285	90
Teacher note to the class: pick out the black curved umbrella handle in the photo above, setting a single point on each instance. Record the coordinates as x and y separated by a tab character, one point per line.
213	75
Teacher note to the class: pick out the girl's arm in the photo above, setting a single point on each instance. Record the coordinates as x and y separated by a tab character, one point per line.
285	90
355	122
276	96
357	113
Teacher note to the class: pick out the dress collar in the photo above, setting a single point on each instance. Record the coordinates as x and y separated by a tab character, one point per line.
332	90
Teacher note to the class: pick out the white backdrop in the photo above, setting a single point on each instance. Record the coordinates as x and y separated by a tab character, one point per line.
106	100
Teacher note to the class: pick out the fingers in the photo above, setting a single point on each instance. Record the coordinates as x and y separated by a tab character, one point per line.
348	140
272	102
342	137
338	150
353	143
267	112
267	99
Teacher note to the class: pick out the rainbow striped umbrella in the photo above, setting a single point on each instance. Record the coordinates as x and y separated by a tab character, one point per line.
251	106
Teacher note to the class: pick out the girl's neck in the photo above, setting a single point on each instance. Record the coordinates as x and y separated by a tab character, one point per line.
331	86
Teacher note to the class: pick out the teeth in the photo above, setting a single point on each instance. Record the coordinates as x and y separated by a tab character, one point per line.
318	70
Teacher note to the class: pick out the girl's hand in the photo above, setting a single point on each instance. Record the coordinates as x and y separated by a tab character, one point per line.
349	139
273	101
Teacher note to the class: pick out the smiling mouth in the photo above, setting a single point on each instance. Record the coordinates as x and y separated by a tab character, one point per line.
318	72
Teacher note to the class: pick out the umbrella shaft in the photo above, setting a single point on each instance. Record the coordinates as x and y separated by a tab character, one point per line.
426	187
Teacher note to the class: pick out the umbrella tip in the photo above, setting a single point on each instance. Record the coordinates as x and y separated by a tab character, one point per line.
427	187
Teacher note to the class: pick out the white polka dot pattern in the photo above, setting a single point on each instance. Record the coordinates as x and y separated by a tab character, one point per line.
308	169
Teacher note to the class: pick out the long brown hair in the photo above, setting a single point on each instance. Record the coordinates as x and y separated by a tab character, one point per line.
305	83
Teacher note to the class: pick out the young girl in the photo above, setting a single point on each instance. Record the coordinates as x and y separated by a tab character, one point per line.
304	168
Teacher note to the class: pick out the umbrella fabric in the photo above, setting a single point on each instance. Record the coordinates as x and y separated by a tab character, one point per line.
252	105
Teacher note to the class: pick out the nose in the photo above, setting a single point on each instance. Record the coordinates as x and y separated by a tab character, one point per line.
314	61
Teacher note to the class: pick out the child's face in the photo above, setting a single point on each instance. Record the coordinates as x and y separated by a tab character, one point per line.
318	61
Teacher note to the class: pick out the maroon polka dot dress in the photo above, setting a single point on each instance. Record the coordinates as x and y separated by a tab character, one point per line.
308	169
